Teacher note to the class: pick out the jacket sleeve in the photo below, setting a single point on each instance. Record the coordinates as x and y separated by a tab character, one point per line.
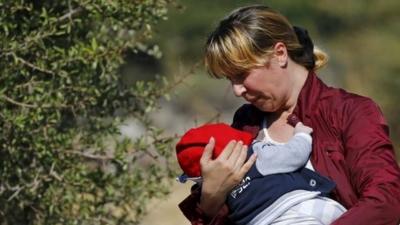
192	211
375	174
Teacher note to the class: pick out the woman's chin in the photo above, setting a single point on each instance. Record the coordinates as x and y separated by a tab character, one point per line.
264	106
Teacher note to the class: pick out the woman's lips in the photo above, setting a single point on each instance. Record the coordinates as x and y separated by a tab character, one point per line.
253	100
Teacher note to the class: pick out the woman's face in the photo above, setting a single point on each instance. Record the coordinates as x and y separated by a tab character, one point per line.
267	88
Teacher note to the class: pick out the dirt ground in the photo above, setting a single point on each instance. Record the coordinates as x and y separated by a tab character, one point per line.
165	211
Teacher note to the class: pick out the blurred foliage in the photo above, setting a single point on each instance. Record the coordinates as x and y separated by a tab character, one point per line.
361	38
62	100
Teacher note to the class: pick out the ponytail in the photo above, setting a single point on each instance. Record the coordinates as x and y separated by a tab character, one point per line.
320	57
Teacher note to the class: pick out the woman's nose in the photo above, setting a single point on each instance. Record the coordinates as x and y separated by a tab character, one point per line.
238	89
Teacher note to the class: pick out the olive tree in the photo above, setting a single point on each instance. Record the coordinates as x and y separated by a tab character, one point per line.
62	100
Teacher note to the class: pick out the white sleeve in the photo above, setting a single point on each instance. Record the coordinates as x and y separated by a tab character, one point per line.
272	159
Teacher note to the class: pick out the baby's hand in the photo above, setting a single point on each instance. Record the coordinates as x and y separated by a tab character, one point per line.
301	128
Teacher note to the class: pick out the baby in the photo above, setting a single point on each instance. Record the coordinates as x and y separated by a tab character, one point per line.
278	189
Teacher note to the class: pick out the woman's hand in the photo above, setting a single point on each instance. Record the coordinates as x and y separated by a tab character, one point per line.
222	174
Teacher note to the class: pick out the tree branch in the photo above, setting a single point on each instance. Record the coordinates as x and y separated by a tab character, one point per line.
54	173
90	156
181	78
19	189
18	103
70	14
12	101
23	61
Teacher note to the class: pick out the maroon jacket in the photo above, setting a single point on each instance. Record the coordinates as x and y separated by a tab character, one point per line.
351	146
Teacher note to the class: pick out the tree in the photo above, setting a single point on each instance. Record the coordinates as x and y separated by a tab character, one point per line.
62	98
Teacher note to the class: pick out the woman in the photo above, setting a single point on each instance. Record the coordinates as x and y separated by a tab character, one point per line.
272	66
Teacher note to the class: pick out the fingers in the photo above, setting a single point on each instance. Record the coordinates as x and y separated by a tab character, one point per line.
237	149
299	124
208	151
301	128
246	167
241	159
310	130
227	151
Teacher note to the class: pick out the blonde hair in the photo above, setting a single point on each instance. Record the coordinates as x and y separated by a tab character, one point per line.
321	58
246	37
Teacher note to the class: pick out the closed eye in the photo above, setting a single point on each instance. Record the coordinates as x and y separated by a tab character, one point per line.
238	78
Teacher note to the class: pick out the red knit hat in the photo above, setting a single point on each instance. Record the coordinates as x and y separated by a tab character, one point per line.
190	148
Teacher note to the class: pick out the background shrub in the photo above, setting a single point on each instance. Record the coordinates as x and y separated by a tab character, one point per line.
62	99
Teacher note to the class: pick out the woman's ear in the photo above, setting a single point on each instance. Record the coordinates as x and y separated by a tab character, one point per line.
280	52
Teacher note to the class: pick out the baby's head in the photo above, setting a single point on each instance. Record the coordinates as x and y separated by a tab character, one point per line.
191	146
